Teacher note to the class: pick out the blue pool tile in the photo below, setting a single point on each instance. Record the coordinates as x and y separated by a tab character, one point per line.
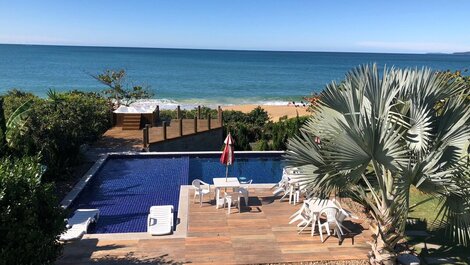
125	189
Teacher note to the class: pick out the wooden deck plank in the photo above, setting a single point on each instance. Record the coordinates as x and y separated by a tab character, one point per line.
116	139
257	235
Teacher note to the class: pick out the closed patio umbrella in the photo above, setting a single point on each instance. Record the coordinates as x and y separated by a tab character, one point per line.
227	155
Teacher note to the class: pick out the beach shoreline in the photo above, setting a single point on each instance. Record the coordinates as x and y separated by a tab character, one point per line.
275	112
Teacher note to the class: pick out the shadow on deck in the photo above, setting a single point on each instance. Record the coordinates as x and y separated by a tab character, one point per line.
260	233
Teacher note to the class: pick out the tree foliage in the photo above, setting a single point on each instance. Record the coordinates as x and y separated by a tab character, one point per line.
30	216
59	126
246	128
280	132
380	135
118	90
167	115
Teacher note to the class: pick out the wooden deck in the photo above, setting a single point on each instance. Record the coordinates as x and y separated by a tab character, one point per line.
118	140
259	234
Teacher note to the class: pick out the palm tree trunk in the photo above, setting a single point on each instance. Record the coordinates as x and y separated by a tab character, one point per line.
382	252
386	234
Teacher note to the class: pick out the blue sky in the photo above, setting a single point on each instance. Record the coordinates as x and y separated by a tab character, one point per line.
328	25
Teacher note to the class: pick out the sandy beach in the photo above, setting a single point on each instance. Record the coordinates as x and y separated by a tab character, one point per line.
275	111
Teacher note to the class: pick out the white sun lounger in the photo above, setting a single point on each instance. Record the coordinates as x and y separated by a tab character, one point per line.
160	220
78	224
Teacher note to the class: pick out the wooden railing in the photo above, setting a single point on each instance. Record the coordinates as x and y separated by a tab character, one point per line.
180	121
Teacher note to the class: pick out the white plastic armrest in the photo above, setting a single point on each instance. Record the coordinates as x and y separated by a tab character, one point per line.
206	184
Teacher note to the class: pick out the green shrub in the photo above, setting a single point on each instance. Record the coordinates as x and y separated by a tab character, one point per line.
30	216
246	127
280	132
167	115
262	145
3	129
240	134
58	126
15	98
255	127
233	116
258	117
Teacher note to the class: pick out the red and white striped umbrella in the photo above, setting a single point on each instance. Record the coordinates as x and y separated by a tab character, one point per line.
228	153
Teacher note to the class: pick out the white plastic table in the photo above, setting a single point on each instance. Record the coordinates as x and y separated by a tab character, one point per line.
223	183
316	205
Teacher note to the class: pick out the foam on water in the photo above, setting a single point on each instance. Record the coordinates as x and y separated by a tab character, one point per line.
168	104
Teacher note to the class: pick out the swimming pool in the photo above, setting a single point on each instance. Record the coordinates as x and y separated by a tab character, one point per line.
127	185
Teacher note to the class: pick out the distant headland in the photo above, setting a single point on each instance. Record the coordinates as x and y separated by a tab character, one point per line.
462	53
454	53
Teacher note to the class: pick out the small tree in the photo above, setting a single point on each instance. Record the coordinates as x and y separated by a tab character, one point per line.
381	135
118	91
30	216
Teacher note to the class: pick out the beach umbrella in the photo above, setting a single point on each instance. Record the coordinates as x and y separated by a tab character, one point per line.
227	155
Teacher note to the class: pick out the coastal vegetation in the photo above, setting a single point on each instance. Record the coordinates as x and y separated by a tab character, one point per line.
252	130
119	91
30	216
380	136
168	115
55	127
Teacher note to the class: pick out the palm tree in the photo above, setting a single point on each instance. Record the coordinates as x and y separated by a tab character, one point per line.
380	135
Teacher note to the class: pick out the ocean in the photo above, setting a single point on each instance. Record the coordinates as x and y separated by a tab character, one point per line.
190	77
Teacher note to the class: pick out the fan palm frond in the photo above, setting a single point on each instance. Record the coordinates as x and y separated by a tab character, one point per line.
380	134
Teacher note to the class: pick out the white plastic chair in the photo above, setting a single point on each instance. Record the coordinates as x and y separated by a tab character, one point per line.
244	191
330	213
294	193
199	190
306	218
230	198
282	186
337	203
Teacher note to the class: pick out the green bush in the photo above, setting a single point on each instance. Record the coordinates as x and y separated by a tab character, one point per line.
262	145
167	115
257	117
246	128
280	132
255	127
15	98
241	137
58	126
30	216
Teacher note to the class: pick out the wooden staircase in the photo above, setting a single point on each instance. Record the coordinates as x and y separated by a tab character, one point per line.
131	122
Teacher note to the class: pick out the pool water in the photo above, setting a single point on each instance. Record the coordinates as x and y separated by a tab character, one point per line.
259	169
126	187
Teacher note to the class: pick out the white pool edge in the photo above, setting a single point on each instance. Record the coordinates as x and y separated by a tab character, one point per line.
81	184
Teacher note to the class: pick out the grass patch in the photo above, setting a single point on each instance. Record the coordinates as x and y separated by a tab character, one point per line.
427	211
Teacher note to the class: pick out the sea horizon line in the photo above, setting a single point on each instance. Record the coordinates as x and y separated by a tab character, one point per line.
223	49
